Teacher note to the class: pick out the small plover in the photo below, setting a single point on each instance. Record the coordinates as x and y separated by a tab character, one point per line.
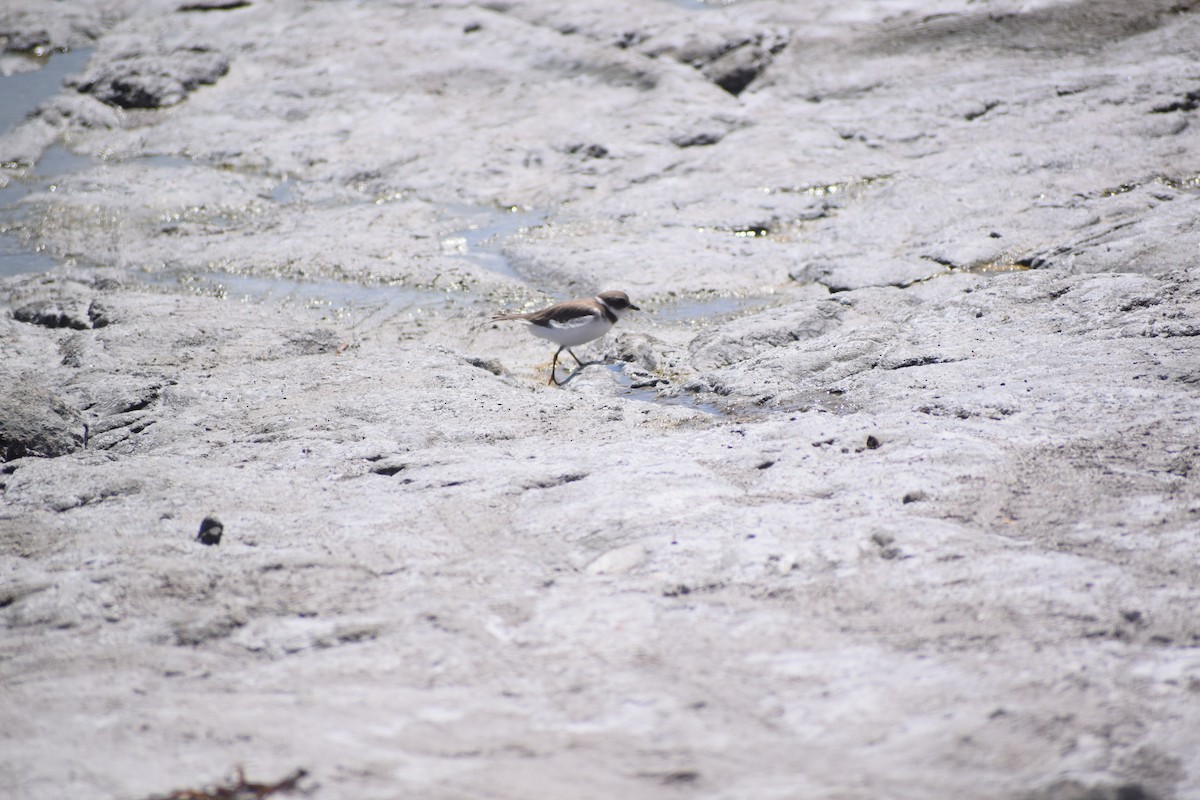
574	322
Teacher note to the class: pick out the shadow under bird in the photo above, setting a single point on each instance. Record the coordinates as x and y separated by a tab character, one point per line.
574	322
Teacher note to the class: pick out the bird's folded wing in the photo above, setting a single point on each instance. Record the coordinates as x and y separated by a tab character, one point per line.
572	322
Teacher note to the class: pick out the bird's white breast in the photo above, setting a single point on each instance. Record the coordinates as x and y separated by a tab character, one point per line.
574	332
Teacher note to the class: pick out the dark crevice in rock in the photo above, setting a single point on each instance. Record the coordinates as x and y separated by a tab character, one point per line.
559	480
1189	102
737	67
945	262
975	114
215	5
492	365
142	401
154	80
919	361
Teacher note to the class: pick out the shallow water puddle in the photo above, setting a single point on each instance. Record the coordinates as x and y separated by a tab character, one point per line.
991	268
16	258
482	242
284	191
358	304
701	309
645	390
24	92
16	255
849	186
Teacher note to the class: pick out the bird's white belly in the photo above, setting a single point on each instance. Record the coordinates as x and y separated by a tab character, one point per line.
573	335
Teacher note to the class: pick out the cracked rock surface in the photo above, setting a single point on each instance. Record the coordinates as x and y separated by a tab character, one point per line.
892	488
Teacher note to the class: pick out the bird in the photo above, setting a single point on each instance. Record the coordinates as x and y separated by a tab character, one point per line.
574	322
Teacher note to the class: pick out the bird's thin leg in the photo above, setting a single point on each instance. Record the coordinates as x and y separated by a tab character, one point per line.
577	361
553	366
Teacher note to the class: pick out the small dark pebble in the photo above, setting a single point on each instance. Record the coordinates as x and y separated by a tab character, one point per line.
589	150
210	531
872	443
914	497
705	139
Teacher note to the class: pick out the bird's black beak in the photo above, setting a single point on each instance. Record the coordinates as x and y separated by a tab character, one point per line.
632	307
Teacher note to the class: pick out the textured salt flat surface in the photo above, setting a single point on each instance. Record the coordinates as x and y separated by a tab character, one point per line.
891	489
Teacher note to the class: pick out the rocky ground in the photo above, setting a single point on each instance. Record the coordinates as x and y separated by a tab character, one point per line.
891	490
